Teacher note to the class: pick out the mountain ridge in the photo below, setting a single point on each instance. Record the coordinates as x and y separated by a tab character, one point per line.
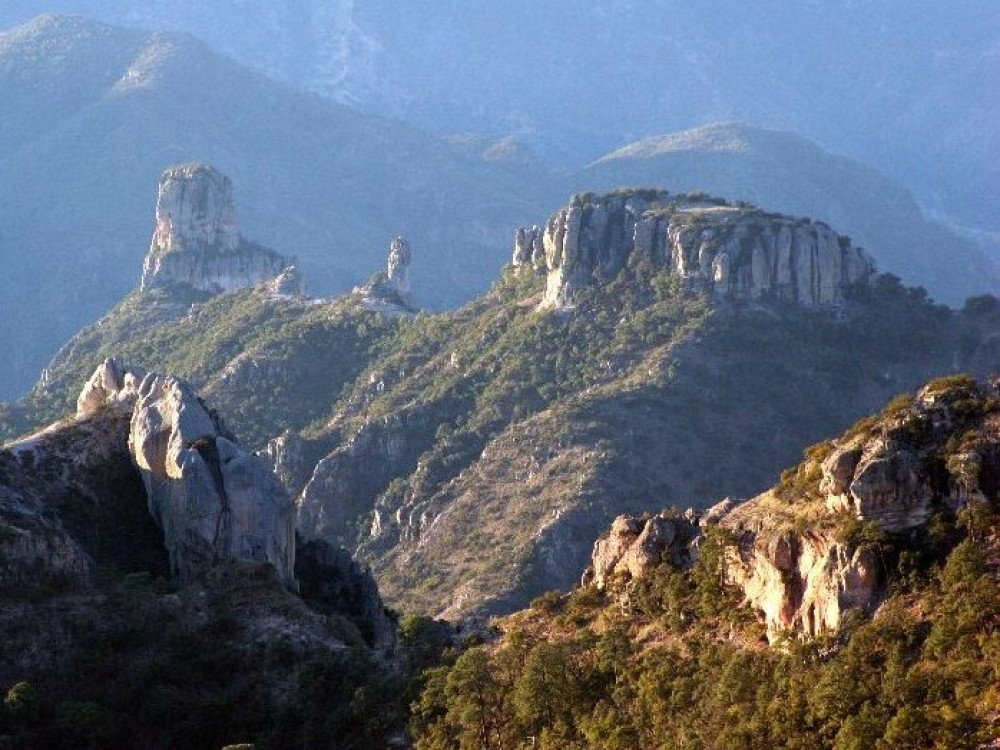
400	432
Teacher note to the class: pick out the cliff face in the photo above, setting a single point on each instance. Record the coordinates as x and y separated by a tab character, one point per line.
196	242
738	252
212	499
799	552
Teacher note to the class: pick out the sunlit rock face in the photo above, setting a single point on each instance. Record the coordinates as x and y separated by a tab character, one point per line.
798	552
212	499
737	251
398	266
196	242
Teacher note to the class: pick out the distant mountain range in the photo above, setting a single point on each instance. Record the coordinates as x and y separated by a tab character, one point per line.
93	114
907	86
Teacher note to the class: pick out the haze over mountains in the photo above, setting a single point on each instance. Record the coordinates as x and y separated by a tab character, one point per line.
646	347
382	384
96	113
907	86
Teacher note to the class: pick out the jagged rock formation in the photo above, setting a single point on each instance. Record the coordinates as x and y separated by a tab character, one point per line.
212	500
529	247
398	266
795	551
196	242
635	546
390	291
739	252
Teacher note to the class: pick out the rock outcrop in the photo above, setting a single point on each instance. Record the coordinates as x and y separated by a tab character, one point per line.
635	546
797	551
737	251
212	499
389	292
196	243
398	266
804	582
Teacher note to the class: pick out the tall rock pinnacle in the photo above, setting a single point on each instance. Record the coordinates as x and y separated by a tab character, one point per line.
400	256
196	242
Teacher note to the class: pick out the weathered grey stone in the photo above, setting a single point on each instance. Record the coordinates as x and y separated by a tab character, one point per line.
212	499
196	242
400	257
739	253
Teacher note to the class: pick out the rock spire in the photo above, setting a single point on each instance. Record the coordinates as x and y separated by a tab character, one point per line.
400	256
196	242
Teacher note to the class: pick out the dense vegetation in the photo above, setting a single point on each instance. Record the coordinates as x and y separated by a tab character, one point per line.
511	390
144	664
269	364
674	660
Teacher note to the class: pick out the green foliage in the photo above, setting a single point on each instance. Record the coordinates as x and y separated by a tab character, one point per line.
923	673
135	672
550	602
324	345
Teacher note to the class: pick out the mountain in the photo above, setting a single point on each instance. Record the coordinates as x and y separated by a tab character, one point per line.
790	174
644	347
96	114
854	604
154	591
904	86
99	112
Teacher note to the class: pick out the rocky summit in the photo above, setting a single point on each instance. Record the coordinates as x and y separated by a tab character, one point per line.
737	251
815	546
213	500
196	242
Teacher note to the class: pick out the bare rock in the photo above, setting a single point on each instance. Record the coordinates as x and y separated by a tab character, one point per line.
635	546
398	265
804	582
647	551
736	251
389	292
196	243
610	550
288	283
212	499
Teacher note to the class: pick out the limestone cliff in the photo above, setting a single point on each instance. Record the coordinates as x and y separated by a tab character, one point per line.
212	499
196	242
737	251
800	552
